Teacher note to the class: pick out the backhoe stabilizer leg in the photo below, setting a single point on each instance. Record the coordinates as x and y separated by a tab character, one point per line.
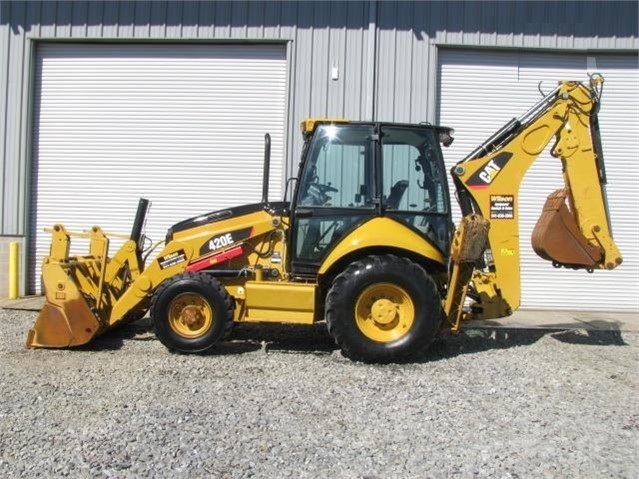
457	290
468	246
490	304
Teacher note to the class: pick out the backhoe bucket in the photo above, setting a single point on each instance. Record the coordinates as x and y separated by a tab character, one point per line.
557	238
65	320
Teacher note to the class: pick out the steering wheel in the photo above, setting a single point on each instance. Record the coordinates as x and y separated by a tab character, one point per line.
324	188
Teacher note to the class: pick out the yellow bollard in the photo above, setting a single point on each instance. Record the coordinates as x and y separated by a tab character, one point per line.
14	258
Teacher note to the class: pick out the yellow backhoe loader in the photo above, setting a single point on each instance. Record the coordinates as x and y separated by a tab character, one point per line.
366	242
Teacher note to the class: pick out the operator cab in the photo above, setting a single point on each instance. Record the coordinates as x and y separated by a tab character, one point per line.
352	172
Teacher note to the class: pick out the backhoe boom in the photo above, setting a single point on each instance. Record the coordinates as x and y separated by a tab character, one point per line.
576	235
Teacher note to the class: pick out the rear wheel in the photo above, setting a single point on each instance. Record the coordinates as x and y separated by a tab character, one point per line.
383	309
191	312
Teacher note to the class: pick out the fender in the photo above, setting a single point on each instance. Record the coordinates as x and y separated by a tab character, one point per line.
374	233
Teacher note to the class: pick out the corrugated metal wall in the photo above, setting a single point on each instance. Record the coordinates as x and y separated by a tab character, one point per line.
409	34
319	36
389	74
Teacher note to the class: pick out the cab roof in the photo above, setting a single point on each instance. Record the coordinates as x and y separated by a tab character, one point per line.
309	125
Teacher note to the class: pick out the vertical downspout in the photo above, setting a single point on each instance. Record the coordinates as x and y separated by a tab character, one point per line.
26	137
290	129
371	61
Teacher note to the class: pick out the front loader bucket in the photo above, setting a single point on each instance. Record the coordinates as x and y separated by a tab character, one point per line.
81	291
66	319
557	238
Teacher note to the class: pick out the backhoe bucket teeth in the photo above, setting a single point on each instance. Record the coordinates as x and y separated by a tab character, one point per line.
66	319
557	238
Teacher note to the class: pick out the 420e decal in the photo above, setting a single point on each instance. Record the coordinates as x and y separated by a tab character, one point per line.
224	240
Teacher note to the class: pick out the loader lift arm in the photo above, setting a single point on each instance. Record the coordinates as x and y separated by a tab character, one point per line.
487	181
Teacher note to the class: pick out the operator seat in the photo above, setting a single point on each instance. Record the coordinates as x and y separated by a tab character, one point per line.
396	194
311	241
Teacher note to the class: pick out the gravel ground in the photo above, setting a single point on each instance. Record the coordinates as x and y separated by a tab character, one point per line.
282	402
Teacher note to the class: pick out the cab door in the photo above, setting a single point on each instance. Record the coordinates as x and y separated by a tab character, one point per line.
414	187
335	194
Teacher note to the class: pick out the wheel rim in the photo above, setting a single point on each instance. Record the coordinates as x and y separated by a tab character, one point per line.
190	315
384	312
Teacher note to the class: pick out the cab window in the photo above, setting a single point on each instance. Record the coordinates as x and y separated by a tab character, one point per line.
338	173
414	185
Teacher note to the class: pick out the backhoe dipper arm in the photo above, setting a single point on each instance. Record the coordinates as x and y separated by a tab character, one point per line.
488	183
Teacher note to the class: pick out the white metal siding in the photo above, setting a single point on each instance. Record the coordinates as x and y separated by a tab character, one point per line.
481	90
182	125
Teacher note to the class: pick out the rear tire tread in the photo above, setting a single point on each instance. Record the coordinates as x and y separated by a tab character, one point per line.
337	311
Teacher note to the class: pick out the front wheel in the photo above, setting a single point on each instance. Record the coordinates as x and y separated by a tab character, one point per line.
191	312
383	309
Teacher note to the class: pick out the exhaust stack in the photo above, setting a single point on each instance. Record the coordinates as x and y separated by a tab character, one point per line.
267	167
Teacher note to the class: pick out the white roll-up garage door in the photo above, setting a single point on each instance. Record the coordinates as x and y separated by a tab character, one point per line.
181	125
482	90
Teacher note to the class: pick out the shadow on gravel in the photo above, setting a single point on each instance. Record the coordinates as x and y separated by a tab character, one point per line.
301	339
112	340
245	338
285	338
471	341
590	337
